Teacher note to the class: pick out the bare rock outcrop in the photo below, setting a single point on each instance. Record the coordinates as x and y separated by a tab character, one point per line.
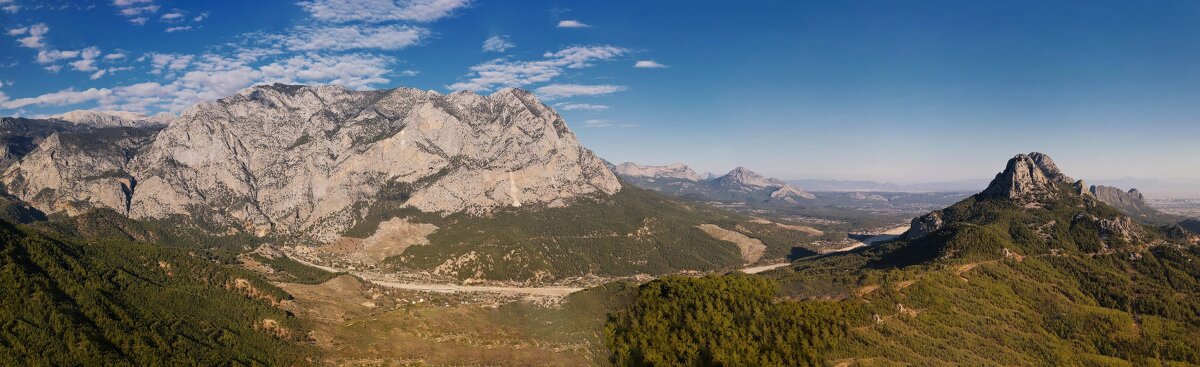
115	118
924	225
1131	200
73	172
745	180
675	170
311	160
1028	177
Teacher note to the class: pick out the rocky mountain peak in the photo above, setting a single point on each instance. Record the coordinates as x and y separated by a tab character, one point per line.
1117	197
674	170
745	177
114	118
1032	176
311	160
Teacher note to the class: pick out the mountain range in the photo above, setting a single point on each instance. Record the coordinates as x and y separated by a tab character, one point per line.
170	240
463	186
1033	270
740	184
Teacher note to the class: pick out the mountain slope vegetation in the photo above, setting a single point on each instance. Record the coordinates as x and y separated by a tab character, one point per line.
109	302
1033	271
633	231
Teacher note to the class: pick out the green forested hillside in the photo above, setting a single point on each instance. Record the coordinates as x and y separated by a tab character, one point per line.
633	231
730	320
1062	282
67	302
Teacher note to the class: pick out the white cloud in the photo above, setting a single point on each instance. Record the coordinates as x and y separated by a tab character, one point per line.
178	29
409	72
507	73
136	10
577	57
581	106
170	62
60	98
648	64
173	16
572	24
604	123
210	76
201	17
51	56
497	44
375	11
87	59
114	56
98	74
555	91
10	7
17	31
392	37
139	10
128	3
36	34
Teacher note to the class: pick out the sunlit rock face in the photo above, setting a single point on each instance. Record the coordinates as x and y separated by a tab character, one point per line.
310	160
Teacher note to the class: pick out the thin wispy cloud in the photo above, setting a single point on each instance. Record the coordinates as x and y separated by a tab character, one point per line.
511	73
556	91
376	11
648	64
341	38
497	44
581	106
603	123
136	11
171	17
572	24
9	7
216	76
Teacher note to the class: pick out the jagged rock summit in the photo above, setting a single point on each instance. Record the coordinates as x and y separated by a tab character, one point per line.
312	160
1029	177
114	118
1132	199
1032	182
674	170
741	176
742	179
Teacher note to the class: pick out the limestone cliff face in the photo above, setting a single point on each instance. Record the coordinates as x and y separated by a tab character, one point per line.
1028	177
675	170
73	172
310	160
114	118
1131	200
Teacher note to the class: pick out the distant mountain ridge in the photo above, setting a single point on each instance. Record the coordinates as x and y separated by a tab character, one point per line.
740	184
818	185
115	118
674	170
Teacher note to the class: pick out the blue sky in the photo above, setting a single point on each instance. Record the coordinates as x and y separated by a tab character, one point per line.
903	91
